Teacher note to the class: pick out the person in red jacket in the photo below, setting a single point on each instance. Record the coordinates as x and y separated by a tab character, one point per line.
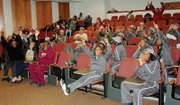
45	58
158	12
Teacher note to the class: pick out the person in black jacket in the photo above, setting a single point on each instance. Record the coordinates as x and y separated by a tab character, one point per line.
15	53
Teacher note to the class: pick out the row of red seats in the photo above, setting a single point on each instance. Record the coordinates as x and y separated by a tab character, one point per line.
140	17
130	49
126	70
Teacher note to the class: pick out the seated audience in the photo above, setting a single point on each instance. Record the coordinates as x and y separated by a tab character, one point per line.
70	28
30	56
38	68
13	46
119	54
148	17
81	35
149	72
59	37
158	12
149	6
104	32
88	21
164	47
143	44
81	17
131	32
98	22
98	65
174	33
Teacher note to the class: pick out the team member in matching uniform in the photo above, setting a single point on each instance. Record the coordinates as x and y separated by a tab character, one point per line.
149	71
119	54
98	64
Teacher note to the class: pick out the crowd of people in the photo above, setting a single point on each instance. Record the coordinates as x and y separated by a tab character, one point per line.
25	49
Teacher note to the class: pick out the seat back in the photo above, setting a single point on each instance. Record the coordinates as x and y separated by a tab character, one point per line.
56	57
173	21
167	16
134	41
42	34
172	42
63	57
114	18
175	54
139	18
149	24
127	67
122	18
178	77
130	50
108	66
50	34
60	47
161	23
83	61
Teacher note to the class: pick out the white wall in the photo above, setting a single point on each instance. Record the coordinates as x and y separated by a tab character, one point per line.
135	4
94	8
8	23
98	8
33	14
55	11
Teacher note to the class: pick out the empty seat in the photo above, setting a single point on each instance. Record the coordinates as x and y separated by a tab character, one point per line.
176	16
167	16
83	62
113	82
139	18
114	18
172	21
122	18
56	69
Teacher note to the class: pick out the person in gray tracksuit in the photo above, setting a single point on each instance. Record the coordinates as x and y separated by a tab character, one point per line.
119	54
143	44
174	33
99	58
165	53
131	94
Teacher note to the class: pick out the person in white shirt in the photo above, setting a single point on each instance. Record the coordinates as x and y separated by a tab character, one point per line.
81	35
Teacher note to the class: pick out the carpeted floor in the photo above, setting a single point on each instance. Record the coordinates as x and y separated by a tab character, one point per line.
26	94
